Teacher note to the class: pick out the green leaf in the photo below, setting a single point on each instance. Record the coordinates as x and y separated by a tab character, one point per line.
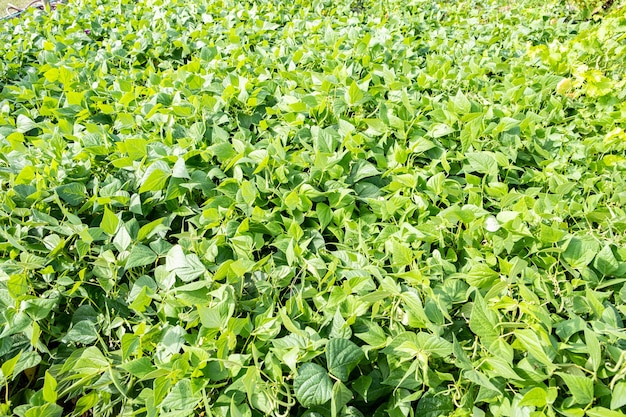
172	340
579	252
593	347
180	170
528	338
342	356
73	193
24	123
154	227
340	397
312	385
483	322
49	388
155	181
324	214
481	276
604	412
91	361
181	397
415	309
86	402
618	396
362	169
354	95
312	174
437	405
481	380
82	332
440	130
139	368
506	124
605	261
461	104
186	267
46	410
374	336
535	397
401	255
482	162
248	192
109	222
9	366
579	386
140	255
422	344
339	327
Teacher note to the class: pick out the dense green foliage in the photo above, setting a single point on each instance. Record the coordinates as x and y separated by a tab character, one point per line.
295	208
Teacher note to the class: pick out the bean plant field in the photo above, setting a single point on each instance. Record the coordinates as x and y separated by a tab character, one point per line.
313	208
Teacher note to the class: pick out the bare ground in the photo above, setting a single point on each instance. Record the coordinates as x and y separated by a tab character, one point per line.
6	3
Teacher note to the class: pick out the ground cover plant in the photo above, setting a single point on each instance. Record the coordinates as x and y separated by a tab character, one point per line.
310	208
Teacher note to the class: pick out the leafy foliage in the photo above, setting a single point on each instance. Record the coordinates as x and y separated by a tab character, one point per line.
229	208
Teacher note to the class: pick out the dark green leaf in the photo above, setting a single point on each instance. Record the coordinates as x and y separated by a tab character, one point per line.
342	356
312	385
73	193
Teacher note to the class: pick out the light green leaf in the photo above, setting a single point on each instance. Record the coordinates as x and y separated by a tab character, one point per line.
354	95
155	182
461	104
480	379
49	388
91	361
604	412
139	367
180	170
481	276
579	386
482	162
536	397
440	130
409	345
181	397
401	255
593	347
362	169
154	227
579	252
248	192
46	410
618	396
374	336
109	222
9	365
415	309
86	402
186	267
506	124
528	338
24	123
605	261
483	322
140	255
